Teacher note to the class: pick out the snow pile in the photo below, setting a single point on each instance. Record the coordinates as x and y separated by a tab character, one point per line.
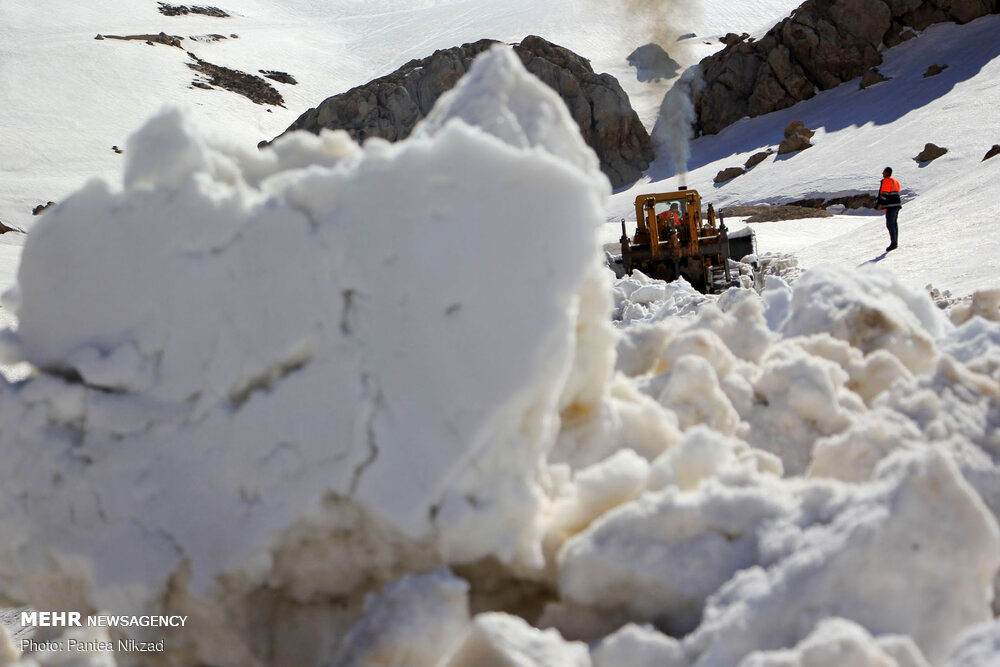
252	334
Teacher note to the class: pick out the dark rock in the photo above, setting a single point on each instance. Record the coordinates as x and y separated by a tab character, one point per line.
821	45
773	213
41	207
757	158
809	203
728	174
871	77
652	63
280	77
99	36
687	35
181	10
390	106
4	228
733	38
852	201
740	211
934	70
992	152
250	86
930	152
117	150
797	137
161	38
786	212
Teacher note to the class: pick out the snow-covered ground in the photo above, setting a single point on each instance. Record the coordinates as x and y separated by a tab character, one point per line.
948	225
332	432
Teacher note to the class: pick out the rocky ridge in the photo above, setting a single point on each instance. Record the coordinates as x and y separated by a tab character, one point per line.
820	46
390	106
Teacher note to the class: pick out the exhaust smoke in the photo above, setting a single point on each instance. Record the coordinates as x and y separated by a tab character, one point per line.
674	126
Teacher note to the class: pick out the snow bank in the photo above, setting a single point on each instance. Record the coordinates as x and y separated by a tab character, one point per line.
252	334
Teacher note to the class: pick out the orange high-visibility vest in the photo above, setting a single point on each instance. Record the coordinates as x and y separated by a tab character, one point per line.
889	185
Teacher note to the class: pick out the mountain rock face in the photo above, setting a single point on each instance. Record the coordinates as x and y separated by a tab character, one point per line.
390	106
821	45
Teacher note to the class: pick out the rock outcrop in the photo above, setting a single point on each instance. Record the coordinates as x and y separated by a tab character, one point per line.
934	70
930	152
992	152
797	137
871	77
729	174
757	158
821	45
390	106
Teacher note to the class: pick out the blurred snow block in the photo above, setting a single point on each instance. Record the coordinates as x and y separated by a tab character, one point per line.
416	621
978	646
251	334
892	540
501	640
870	309
836	643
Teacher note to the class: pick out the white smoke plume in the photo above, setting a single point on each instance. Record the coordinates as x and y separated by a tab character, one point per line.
674	127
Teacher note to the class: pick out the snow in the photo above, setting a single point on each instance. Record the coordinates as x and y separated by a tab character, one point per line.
350	404
417	620
184	299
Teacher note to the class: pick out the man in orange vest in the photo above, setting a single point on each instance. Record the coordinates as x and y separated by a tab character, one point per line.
670	217
888	200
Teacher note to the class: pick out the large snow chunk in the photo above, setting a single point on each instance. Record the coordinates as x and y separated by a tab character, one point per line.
870	309
874	556
501	640
372	326
418	620
834	643
661	556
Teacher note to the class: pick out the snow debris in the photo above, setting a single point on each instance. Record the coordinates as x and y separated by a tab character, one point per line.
417	620
836	642
508	641
639	646
867	545
871	310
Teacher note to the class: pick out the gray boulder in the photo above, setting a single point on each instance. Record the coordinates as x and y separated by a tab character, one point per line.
871	77
797	137
390	106
757	158
931	152
728	174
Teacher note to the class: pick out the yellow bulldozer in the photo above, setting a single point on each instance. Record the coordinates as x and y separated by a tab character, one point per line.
673	239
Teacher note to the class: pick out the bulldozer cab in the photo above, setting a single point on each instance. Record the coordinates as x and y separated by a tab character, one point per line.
694	247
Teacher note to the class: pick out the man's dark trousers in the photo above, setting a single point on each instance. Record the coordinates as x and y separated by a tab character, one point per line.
890	223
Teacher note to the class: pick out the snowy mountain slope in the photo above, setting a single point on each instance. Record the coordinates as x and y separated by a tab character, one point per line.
69	97
948	229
